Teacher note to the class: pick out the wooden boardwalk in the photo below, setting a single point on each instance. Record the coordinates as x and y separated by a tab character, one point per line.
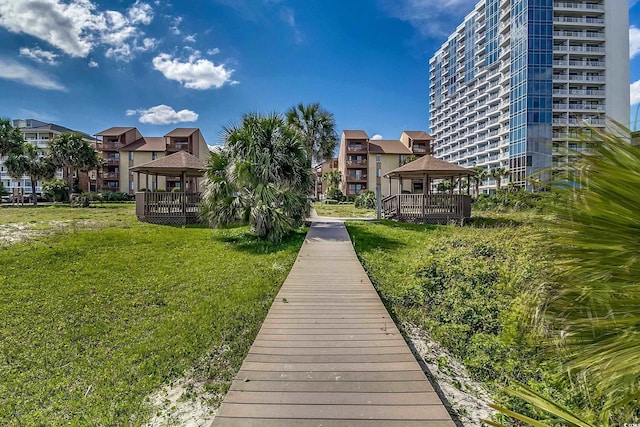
328	353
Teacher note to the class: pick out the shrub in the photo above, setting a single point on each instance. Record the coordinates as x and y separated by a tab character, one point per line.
115	196
3	191
334	193
56	190
366	200
176	190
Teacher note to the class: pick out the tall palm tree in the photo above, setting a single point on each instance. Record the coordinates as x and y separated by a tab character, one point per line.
261	175
317	128
479	177
30	162
498	174
592	309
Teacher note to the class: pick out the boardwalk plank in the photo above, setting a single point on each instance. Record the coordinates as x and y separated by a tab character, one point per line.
329	354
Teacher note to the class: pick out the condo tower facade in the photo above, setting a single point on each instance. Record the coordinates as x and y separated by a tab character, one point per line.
519	79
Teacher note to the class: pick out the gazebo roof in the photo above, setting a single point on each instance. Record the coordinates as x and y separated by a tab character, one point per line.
173	164
429	165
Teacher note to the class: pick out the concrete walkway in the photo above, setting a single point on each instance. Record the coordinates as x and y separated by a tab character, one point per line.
328	353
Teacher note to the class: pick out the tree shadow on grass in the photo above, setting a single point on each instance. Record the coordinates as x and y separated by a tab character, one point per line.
241	239
489	222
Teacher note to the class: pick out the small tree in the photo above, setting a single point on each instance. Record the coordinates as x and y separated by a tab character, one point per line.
10	138
56	190
479	177
261	175
71	153
30	162
333	178
334	193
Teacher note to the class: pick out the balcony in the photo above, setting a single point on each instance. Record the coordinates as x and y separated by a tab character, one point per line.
113	160
357	163
178	146
357	177
109	146
353	148
111	176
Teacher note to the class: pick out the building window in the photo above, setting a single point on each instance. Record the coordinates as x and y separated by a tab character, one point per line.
131	155
378	158
131	185
154	155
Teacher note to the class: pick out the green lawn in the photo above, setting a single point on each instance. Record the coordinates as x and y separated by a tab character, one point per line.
347	210
92	321
466	287
103	213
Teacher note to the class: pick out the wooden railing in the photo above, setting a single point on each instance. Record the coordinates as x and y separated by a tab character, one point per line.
429	208
168	207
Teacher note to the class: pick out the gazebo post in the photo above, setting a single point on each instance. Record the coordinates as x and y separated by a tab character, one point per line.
424	195
147	180
138	181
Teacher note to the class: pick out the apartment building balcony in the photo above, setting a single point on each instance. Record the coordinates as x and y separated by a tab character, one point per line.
579	20
568	34
112	160
353	148
108	146
111	176
357	163
177	146
564	5
356	178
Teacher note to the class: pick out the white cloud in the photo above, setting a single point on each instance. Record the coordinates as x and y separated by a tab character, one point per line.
175	24
634	41
39	55
163	115
190	38
635	92
431	18
140	13
288	17
75	27
15	71
213	51
376	136
93	64
195	73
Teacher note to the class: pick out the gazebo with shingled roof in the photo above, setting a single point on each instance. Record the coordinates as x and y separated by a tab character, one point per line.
428	207
163	207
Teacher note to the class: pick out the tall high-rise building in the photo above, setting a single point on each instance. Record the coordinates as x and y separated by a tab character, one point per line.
519	79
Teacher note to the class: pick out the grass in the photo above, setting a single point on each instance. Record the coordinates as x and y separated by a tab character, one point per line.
466	287
92	322
347	210
108	212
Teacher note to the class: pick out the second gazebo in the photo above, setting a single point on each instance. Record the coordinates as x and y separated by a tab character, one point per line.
428	207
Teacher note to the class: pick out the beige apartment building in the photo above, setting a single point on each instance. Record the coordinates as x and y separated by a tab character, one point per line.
122	148
364	162
319	170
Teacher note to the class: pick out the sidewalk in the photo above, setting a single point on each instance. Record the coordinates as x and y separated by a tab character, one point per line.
328	353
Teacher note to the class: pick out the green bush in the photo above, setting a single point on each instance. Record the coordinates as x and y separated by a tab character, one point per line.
56	190
334	193
115	196
366	200
3	190
176	190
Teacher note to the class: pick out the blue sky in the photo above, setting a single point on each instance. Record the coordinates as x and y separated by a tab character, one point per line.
157	65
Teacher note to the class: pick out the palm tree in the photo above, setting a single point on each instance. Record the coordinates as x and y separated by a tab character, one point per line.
592	309
317	128
10	138
261	175
71	153
480	176
498	174
30	162
333	178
